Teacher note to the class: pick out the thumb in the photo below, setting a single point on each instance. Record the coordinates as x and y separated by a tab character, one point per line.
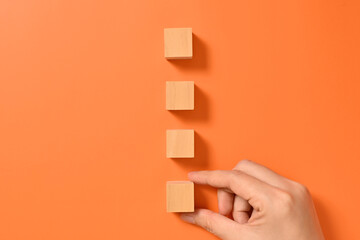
215	223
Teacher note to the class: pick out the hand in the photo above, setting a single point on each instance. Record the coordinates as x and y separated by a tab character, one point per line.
264	205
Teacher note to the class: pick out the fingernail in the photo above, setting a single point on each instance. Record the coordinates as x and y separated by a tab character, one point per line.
187	218
191	174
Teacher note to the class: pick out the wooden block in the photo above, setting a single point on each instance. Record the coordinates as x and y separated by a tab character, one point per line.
180	95
178	43
180	196
180	143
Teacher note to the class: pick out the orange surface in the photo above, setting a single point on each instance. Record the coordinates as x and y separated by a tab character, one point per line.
83	119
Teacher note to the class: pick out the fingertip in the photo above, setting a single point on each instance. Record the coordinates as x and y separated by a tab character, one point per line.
191	175
224	212
225	202
187	217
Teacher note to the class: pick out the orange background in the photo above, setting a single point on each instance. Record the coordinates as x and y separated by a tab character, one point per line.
83	119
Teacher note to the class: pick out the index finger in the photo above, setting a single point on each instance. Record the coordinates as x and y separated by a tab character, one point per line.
262	173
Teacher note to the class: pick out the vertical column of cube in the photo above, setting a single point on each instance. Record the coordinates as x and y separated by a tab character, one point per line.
180	95
179	196
179	142
178	43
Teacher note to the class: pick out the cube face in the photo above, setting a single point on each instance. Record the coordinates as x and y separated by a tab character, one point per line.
180	95
180	196
180	143
178	43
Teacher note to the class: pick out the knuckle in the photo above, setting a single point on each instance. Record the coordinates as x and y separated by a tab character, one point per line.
243	163
234	178
234	174
285	201
286	198
300	190
303	190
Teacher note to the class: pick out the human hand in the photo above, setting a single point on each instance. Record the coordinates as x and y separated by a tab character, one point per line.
263	204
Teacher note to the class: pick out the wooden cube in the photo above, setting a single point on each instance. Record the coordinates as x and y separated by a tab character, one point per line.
180	196
180	143
178	43
180	95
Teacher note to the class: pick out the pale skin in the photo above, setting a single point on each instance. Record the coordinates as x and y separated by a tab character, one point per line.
256	203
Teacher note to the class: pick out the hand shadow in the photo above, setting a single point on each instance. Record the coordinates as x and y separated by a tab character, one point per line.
199	60
200	161
326	223
202	194
201	108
